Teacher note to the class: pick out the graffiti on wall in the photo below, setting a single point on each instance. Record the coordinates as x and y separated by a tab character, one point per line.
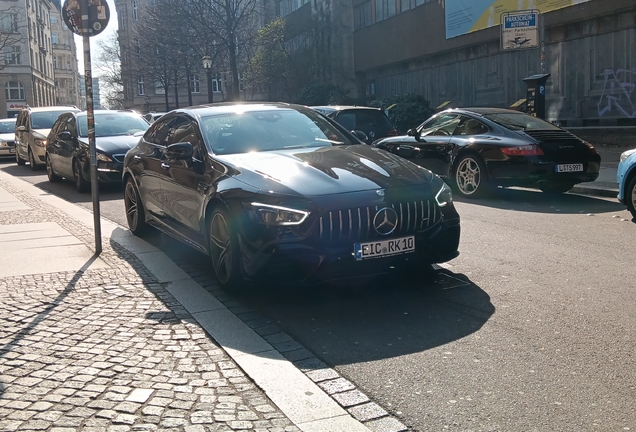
618	93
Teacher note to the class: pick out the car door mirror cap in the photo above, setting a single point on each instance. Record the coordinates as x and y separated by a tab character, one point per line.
360	135
180	151
415	133
65	136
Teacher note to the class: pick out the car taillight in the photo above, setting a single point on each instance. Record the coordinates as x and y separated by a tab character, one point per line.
590	146
392	132
527	150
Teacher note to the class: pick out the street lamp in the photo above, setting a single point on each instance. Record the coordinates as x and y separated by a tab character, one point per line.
207	65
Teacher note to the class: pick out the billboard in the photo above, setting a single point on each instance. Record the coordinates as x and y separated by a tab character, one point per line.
465	16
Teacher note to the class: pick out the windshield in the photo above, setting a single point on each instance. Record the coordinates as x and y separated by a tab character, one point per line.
7	127
520	121
45	119
113	124
270	130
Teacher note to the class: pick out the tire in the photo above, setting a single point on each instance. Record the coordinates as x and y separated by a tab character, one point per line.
224	250
18	159
630	197
135	213
80	182
34	166
470	176
53	178
556	188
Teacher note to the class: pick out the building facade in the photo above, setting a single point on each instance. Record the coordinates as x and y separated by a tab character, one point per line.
65	68
38	66
406	46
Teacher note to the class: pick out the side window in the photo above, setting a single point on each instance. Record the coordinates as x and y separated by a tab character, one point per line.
347	119
71	125
159	131
183	130
443	125
470	126
58	126
21	121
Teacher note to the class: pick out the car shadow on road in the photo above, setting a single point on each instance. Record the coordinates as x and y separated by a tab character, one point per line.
65	188
356	320
528	200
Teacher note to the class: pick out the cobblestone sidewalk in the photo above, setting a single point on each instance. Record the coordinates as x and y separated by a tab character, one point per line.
111	350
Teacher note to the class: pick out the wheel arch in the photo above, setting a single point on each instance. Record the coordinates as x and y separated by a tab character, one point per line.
469	150
629	175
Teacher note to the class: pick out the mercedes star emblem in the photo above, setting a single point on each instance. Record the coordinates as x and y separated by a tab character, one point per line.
385	221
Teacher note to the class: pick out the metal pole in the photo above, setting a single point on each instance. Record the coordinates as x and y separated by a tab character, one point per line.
88	76
210	93
542	36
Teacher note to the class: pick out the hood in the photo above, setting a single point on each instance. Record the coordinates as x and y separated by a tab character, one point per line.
41	133
7	136
114	144
326	170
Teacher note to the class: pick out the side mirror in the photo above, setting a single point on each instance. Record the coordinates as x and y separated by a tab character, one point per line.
360	135
21	129
65	136
179	151
415	133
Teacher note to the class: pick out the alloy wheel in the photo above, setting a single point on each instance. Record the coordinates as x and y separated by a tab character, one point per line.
49	171
468	176
132	209
32	160
221	247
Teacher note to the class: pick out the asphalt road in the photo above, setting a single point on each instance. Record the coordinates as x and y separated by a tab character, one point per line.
532	328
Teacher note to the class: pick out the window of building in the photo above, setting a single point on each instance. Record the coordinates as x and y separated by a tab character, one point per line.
12	56
159	90
135	10
410	4
195	84
141	89
9	22
362	15
216	82
54	38
14	91
53	19
54	62
384	9
137	48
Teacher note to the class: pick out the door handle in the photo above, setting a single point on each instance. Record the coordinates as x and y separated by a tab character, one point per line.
165	165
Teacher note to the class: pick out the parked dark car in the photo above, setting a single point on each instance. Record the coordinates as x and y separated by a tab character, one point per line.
68	154
476	148
372	121
281	192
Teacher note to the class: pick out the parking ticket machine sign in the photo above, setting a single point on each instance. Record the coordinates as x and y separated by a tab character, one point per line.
520	30
86	17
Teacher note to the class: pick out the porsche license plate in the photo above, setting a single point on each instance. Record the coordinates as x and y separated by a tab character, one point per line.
382	248
568	167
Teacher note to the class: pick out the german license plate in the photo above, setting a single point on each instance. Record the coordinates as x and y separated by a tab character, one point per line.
568	167
382	248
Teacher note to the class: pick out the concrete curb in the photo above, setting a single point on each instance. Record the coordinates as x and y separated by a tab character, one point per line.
595	191
308	406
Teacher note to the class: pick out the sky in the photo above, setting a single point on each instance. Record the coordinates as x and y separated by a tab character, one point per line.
110	28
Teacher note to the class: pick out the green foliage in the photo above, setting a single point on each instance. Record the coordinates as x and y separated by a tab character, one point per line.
323	94
405	111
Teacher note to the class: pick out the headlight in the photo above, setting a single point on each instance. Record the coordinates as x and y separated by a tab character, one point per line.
444	196
3	143
627	154
102	157
280	216
40	142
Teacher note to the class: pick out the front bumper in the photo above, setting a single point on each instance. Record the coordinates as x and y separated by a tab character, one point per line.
313	259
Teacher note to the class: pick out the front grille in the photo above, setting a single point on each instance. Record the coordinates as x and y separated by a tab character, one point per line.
118	157
356	224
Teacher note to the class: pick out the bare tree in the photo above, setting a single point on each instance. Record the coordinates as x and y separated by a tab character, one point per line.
108	64
13	30
227	28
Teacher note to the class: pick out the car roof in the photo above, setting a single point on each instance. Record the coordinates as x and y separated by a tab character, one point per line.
484	110
228	107
108	112
332	108
53	108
